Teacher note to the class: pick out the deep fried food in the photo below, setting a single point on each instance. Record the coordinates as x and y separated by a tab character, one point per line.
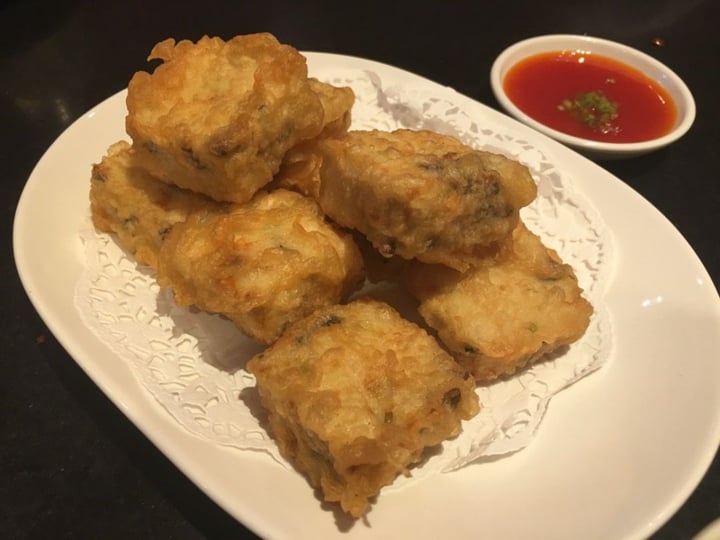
138	208
218	117
354	395
506	313
263	264
300	169
337	103
418	194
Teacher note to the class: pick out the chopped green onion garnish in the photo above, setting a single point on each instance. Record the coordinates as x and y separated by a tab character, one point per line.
593	109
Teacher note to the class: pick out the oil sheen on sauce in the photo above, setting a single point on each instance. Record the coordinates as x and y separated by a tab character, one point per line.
590	96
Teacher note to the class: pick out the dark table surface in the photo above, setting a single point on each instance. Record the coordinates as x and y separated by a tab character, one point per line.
71	465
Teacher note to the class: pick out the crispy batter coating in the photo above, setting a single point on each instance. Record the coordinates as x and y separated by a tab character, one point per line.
392	269
418	194
263	264
507	313
337	103
354	395
217	117
138	208
300	169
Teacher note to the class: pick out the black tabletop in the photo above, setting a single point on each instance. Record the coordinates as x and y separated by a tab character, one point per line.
71	465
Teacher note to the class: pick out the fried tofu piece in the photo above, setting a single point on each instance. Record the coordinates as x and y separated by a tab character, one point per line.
354	395
139	209
218	117
507	313
263	264
418	194
300	169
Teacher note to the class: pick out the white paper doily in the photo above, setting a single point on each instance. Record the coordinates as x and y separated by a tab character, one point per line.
193	363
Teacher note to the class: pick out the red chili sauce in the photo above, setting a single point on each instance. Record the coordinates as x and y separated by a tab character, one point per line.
590	96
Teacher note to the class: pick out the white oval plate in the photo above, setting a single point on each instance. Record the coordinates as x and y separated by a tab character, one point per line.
616	456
